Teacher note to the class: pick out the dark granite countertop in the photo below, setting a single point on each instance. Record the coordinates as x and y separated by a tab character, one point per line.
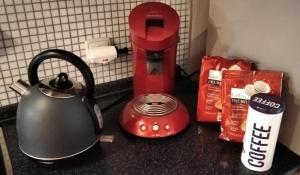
197	150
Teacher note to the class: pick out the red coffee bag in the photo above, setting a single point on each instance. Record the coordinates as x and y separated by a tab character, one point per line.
237	88
209	94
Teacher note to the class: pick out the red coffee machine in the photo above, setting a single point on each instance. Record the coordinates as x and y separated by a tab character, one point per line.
153	112
154	34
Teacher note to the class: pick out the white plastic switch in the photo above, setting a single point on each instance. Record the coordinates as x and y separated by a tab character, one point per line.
155	127
167	127
143	128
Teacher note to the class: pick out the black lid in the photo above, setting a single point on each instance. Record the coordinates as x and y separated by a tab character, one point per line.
267	103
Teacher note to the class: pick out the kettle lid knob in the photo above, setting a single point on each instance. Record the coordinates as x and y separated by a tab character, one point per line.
61	82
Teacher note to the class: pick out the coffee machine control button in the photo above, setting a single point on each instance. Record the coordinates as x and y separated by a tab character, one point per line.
143	128
167	127
155	127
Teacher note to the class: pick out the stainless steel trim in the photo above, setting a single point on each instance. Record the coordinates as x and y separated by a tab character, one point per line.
6	158
52	92
107	138
155	104
58	158
19	86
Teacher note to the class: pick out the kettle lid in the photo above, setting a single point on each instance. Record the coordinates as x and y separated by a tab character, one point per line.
61	87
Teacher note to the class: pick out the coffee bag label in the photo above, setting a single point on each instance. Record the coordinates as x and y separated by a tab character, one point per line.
215	75
239	93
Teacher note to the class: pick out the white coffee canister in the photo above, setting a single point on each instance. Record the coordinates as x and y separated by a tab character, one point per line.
262	128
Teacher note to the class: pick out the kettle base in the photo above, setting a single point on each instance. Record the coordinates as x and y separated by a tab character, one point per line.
52	160
46	163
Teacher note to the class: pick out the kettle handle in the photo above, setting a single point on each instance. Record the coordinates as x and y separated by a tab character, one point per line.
67	56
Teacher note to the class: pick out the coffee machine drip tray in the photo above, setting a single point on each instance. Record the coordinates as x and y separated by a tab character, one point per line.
154	116
155	104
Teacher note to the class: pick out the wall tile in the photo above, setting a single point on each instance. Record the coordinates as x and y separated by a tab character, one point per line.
31	26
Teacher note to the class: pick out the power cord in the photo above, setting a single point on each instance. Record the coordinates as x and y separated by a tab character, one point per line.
7	120
193	73
119	100
184	74
122	51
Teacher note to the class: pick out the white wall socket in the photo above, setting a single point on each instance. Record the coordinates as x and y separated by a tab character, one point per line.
100	50
91	44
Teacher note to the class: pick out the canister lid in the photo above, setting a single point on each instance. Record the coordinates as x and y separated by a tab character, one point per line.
267	103
154	26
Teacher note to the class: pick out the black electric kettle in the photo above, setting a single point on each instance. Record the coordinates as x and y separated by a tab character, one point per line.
57	118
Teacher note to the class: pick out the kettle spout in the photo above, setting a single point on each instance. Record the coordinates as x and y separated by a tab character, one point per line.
19	87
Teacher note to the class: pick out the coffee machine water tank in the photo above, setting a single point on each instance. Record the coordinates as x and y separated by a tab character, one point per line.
154	30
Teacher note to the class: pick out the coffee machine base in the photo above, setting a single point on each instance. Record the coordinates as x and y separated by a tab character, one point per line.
154	116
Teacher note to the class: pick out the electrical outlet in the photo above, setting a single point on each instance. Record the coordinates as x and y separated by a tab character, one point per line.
91	44
94	43
100	51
